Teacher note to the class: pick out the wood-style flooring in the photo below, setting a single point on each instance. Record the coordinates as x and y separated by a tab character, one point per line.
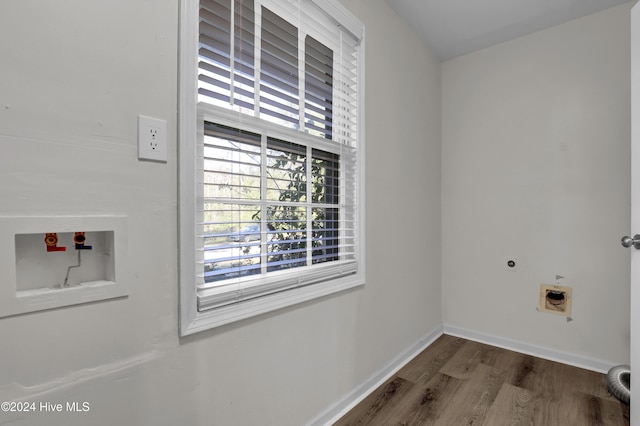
458	382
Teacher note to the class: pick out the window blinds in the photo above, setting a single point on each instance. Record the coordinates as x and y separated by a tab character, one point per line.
270	206
275	213
305	63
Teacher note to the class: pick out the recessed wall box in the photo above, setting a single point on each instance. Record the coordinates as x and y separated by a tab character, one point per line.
555	299
55	261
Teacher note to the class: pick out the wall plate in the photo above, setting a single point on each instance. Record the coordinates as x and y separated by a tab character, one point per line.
152	139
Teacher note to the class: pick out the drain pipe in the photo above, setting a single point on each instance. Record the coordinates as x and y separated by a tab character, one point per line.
619	382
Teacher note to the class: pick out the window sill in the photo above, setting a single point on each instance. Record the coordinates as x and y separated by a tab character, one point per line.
201	321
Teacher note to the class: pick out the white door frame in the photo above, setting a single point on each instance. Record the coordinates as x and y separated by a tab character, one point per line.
635	213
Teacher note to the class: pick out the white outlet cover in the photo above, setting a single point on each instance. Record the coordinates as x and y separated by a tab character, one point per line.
152	139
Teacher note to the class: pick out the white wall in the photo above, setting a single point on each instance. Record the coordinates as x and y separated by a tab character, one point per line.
74	76
535	165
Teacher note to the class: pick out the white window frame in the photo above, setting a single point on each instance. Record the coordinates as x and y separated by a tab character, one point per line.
191	119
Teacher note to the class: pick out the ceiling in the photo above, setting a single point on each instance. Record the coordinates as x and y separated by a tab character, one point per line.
455	27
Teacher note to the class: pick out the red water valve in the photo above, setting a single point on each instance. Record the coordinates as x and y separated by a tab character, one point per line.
51	240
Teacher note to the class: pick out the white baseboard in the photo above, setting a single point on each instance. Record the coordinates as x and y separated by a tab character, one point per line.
529	349
350	400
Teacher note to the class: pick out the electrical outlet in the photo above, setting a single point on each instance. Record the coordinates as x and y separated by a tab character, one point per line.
152	139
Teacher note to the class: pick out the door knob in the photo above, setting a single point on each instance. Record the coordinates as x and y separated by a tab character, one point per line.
628	241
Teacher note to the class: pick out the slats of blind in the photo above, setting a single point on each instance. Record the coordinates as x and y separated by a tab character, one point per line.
215	50
227	66
227	74
286	172
326	187
279	69
231	242
244	54
318	88
231	172
287	248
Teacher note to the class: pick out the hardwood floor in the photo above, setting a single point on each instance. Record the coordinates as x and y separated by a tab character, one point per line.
459	382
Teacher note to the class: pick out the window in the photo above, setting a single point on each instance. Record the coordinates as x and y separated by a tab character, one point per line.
271	156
